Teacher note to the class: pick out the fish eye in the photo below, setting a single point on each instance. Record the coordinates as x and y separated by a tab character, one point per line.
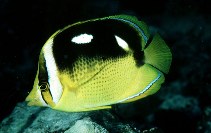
46	94
82	38
122	43
44	86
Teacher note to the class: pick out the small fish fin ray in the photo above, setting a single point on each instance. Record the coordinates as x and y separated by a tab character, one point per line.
158	54
151	81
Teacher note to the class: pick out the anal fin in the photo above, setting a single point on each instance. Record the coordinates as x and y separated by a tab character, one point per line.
150	82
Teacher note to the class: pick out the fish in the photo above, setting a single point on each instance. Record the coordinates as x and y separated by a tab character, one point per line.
97	63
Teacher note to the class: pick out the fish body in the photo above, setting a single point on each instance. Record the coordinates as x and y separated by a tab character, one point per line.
94	64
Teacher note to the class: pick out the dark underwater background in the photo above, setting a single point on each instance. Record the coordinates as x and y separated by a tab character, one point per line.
183	103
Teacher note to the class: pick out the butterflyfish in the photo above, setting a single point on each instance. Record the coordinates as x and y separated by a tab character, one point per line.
94	64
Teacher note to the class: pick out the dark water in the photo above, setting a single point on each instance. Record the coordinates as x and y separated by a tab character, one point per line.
183	103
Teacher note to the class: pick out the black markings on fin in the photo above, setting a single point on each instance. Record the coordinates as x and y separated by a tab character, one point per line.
148	41
135	26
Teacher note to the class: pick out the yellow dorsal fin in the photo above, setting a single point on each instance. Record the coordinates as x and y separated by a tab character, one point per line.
158	54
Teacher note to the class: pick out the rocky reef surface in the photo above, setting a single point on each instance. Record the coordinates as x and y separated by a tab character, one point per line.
25	119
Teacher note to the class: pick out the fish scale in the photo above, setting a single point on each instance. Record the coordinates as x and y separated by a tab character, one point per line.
104	91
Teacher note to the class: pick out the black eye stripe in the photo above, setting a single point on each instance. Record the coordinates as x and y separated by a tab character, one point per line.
45	91
42	73
43	79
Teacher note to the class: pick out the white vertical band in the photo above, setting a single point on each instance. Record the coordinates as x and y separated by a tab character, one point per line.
54	82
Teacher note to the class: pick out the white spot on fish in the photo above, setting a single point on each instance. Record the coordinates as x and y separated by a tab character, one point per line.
122	43
82	39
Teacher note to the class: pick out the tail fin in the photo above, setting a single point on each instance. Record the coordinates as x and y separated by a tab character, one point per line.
158	54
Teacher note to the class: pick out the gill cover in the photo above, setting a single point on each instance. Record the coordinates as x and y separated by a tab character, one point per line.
93	64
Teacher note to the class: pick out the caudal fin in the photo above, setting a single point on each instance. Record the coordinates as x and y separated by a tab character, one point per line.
158	54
